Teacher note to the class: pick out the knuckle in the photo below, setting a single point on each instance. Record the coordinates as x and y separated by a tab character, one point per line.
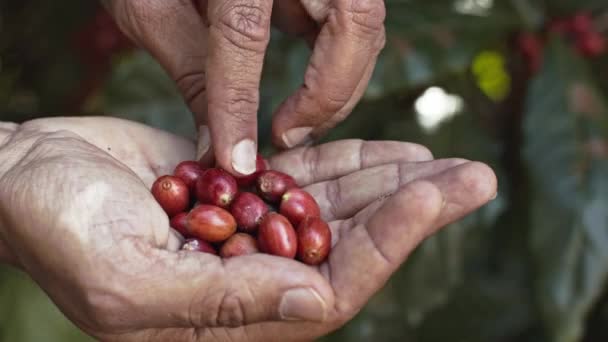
241	104
246	24
368	15
231	311
192	85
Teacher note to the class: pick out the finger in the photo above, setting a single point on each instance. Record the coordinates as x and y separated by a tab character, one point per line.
352	35
343	197
384	240
190	289
238	36
466	186
335	159
291	17
378	247
175	34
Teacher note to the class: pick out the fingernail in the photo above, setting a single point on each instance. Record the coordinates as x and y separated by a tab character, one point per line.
302	304
297	136
204	141
494	197
243	157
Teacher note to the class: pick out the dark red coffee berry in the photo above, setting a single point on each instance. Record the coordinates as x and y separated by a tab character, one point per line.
592	44
314	241
172	194
276	236
296	204
239	244
178	222
582	23
248	210
272	185
189	171
216	187
197	245
210	223
246	181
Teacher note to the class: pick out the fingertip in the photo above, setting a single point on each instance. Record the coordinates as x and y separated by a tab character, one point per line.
481	181
243	158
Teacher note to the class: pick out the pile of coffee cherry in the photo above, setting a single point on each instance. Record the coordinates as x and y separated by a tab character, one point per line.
233	216
578	30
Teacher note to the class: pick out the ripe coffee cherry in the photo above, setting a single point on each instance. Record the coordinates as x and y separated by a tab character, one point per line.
189	171
197	245
178	222
210	223
246	181
216	187
582	23
276	236
592	44
314	241
248	210
239	244
531	47
296	204
272	185
172	194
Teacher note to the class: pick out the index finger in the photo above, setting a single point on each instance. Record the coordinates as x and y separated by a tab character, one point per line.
238	36
338	72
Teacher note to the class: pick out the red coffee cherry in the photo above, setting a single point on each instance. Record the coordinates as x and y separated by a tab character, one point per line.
248	210
314	241
172	194
198	245
216	187
210	223
272	185
178	222
189	171
239	244
296	204
276	236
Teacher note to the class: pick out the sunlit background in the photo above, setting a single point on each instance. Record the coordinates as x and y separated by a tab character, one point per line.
519	84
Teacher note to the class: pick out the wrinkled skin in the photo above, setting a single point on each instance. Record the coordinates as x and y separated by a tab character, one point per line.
76	214
214	51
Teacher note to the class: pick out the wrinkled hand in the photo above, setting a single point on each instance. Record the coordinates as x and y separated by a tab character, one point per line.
77	216
214	51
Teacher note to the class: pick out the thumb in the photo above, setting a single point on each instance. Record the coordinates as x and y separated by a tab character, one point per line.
200	290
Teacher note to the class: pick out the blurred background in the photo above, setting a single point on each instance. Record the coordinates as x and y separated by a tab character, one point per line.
519	84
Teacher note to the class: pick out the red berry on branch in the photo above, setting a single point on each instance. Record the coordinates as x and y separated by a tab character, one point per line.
592	44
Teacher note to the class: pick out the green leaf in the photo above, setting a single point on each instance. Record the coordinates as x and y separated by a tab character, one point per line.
565	132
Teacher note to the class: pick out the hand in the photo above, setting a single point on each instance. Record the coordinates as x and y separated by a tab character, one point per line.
214	51
77	216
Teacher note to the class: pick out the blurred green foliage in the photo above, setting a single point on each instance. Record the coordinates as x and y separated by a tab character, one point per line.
529	266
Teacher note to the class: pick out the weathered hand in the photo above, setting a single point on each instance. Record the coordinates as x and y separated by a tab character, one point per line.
214	51
76	215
